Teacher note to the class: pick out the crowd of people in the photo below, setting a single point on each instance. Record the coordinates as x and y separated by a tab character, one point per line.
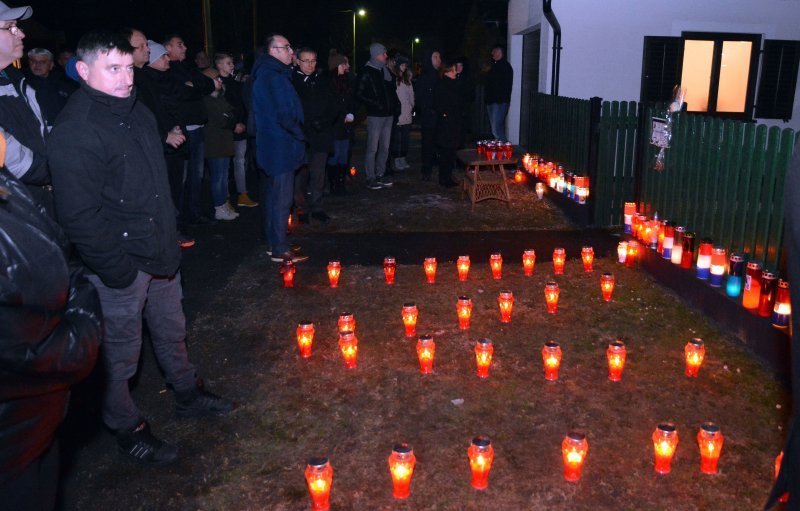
103	154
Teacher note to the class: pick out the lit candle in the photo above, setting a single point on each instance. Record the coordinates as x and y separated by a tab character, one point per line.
628	210
528	261
733	287
401	466
288	270
480	454
426	349
463	267
464	311
687	256
655	233
677	245
353	171
622	251
616	360
769	288
539	189
669	240
348	344
551	292
660	246
496	264
559	258
430	269
347	322
694	352
704	254
551	357
710	440
719	259
506	302
607	285
319	477
334	270
389	269
783	307
483	357
665	441
633	253
574	449
410	313
587	256
752	286
519	177
305	337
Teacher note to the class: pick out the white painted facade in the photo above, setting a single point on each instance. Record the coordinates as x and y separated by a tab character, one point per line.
602	41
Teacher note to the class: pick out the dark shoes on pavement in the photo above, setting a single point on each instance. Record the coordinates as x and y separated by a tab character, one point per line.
198	402
288	256
141	446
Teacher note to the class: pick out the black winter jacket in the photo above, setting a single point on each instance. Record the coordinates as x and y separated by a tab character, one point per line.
379	96
498	82
50	327
342	87
319	109
112	194
423	93
448	103
234	96
156	89
189	105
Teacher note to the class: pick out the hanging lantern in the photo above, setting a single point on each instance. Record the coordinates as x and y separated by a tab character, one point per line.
665	441
629	209
607	285
622	251
632	255
733	287
710	440
528	261
540	191
769	289
752	286
559	258
389	269
574	449
464	311
288	270
430	269
347	322
551	357
481	455
677	246
496	264
483	357
616	360
587	256
319	477
687	257
694	352
719	259
401	466
426	349
704	253
334	270
463	267
506	302
783	306
551	292
348	344
669	240
305	337
410	313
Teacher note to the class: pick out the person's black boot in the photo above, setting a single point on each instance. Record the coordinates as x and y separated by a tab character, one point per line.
198	402
331	171
141	446
341	179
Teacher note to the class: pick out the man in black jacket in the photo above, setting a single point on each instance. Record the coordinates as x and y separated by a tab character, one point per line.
498	92
423	100
113	201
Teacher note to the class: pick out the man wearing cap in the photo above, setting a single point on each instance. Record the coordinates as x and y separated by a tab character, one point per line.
52	87
377	91
21	119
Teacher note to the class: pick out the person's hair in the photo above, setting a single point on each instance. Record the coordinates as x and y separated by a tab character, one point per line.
500	47
305	49
128	32
220	56
269	41
401	76
170	37
40	52
101	42
447	65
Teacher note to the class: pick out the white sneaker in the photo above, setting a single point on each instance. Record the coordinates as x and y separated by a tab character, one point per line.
228	206
223	213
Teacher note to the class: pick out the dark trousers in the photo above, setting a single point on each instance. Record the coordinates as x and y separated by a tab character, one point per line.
400	135
176	174
447	161
276	202
428	149
310	178
36	487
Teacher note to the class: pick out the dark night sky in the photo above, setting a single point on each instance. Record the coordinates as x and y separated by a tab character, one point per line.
313	22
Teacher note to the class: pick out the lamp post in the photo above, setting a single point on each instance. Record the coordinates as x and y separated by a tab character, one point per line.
413	42
362	13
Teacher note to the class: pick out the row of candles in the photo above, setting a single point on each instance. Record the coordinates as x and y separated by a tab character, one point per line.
761	291
573	186
480	453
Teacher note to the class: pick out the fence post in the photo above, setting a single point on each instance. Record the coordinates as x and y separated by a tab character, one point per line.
595	104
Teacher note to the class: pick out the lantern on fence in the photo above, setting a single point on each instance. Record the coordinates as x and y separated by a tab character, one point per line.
752	286
288	270
305	337
347	322
348	345
426	349
665	441
677	245
733	287
319	477
430	269
694	352
334	270
710	441
559	258
574	449
462	265
496	264
669	240
587	256
483	357
389	269
506	302
480	454
622	251
616	360
410	313
551	358
688	250
528	261
607	285
704	253
628	210
551	292
464	311
401	467
540	191
783	306
769	288
719	258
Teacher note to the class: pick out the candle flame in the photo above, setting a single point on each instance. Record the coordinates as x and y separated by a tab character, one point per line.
574	457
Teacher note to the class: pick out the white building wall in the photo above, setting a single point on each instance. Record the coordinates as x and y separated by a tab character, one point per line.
603	40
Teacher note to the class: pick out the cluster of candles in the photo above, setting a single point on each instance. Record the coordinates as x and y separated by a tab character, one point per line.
761	291
494	149
573	186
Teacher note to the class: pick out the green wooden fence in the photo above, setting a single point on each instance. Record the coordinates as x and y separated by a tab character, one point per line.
560	130
616	165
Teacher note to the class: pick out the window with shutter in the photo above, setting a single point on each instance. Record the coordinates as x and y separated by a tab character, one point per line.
659	68
778	80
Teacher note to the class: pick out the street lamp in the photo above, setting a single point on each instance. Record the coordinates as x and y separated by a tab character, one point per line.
413	42
362	13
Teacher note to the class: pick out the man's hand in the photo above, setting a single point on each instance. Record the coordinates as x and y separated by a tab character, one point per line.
239	128
175	137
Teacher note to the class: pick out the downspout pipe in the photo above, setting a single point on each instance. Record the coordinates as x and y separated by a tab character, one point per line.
547	9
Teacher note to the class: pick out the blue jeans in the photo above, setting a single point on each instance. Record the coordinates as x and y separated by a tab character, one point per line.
195	140
341	152
497	119
219	179
276	202
158	300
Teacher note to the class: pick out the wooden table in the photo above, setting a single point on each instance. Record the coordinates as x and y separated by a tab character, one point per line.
489	183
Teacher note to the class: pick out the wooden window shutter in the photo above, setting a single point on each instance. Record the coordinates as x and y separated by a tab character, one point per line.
660	68
778	80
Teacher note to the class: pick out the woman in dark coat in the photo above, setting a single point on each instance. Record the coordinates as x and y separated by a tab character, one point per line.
342	85
449	107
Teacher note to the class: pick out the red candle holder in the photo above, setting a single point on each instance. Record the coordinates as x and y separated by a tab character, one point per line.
607	285
769	288
632	255
574	448
616	360
389	269
347	322
348	344
665	441
528	261
410	313
519	176
506	302
483	357
426	350
334	270
464	311
551	358
496	264
559	258
710	440
587	256
353	171
288	270
305	337
463	268
622	251
695	352
401	467
551	292
430	269
481	455
319	477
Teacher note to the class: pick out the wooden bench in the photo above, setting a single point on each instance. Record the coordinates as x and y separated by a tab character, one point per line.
490	183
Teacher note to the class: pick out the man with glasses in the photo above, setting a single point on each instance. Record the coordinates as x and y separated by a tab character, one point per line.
280	142
22	120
